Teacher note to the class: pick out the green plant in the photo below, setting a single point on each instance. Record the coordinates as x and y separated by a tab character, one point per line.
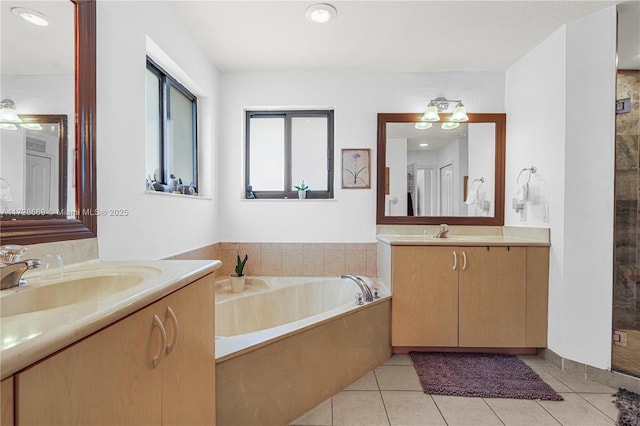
302	187
240	265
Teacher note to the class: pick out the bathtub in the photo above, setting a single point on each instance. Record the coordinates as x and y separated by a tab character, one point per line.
285	344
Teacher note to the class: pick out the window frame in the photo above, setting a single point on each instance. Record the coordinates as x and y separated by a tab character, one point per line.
166	82
288	115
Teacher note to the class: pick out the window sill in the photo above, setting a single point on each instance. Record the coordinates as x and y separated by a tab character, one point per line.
171	194
290	200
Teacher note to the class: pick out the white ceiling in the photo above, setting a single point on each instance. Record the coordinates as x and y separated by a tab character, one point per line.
435	136
374	36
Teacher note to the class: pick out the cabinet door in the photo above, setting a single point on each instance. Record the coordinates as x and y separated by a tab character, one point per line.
105	379
188	371
425	296
6	392
493	296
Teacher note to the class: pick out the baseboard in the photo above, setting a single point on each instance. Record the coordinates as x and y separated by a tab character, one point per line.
606	377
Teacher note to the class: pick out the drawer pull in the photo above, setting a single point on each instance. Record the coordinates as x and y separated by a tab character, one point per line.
455	260
176	330
163	333
464	261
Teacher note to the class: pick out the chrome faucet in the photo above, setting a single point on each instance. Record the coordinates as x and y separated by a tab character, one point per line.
443	232
11	273
12	268
364	287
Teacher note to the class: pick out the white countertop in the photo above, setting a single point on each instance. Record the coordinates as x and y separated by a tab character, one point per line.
459	240
26	338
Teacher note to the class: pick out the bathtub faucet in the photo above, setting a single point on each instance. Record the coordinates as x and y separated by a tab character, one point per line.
364	287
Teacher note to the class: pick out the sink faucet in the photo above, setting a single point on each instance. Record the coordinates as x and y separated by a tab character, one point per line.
443	232
11	273
364	287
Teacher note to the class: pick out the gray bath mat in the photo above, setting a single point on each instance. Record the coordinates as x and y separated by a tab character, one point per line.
481	375
628	404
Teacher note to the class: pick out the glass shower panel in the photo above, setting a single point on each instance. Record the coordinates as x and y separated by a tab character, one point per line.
626	289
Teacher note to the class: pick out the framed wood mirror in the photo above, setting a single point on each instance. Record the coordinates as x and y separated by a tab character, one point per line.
429	175
81	221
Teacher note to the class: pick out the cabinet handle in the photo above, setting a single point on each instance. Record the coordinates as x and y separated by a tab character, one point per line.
163	333
464	261
455	260
176	330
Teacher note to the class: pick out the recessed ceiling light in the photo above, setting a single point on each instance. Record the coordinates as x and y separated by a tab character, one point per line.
321	13
32	16
424	144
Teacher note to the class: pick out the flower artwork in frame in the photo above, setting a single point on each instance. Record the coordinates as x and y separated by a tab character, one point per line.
356	168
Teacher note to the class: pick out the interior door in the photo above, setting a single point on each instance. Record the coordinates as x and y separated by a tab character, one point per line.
446	190
38	182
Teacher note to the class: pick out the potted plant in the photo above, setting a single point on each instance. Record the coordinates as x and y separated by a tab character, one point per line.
302	190
237	279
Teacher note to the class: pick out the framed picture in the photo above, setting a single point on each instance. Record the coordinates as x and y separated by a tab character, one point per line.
356	168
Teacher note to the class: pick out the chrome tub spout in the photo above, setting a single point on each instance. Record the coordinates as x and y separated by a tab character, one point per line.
364	287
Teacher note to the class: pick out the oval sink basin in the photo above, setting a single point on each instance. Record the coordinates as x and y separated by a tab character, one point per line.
67	292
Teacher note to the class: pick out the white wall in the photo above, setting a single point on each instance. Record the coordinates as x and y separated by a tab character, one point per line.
156	225
357	99
482	154
560	119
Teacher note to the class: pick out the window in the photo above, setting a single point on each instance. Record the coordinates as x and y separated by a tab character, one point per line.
283	148
170	128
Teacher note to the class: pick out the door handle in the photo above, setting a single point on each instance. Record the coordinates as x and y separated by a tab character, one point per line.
176	330
163	334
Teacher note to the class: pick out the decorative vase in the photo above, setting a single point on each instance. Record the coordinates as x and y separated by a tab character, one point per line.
302	195
237	283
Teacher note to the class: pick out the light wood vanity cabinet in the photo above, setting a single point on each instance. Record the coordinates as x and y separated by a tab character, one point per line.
6	393
111	377
471	297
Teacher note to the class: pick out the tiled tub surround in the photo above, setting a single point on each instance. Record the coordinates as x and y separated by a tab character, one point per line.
292	259
299	363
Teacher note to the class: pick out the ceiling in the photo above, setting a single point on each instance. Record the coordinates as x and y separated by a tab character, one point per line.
436	137
376	36
367	36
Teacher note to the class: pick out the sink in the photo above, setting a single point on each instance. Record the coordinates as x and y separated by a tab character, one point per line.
66	292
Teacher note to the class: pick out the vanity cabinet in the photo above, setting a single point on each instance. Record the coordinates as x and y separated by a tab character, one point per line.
469	297
6	393
156	366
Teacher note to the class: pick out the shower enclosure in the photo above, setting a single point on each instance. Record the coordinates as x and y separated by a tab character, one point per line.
626	289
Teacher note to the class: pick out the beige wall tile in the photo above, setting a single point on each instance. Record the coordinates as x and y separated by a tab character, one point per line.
292	262
356	259
271	246
312	261
228	258
253	251
271	262
334	260
372	260
293	246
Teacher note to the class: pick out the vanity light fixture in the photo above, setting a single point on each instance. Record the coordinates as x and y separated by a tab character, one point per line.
8	112
32	16
440	104
450	125
423	125
321	13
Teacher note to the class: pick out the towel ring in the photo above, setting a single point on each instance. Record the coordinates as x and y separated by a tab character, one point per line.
531	171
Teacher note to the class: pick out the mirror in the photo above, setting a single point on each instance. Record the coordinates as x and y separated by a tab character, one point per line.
73	213
34	166
432	176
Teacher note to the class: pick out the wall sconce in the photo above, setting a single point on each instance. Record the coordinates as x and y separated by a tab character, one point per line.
439	105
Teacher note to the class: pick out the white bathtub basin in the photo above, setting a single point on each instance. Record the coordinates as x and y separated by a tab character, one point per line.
78	287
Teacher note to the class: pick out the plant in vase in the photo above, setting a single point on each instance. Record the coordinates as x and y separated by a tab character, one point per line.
237	279
302	190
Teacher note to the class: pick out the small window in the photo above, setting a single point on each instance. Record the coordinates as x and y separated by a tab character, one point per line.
171	129
283	148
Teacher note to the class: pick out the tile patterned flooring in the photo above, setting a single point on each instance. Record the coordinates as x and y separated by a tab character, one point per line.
391	395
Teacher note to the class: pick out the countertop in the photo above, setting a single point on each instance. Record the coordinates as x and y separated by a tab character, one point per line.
460	240
29	337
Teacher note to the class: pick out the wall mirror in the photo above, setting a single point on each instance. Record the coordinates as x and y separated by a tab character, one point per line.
49	73
34	165
433	175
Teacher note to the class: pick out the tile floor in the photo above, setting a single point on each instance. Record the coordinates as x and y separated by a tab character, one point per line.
391	395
